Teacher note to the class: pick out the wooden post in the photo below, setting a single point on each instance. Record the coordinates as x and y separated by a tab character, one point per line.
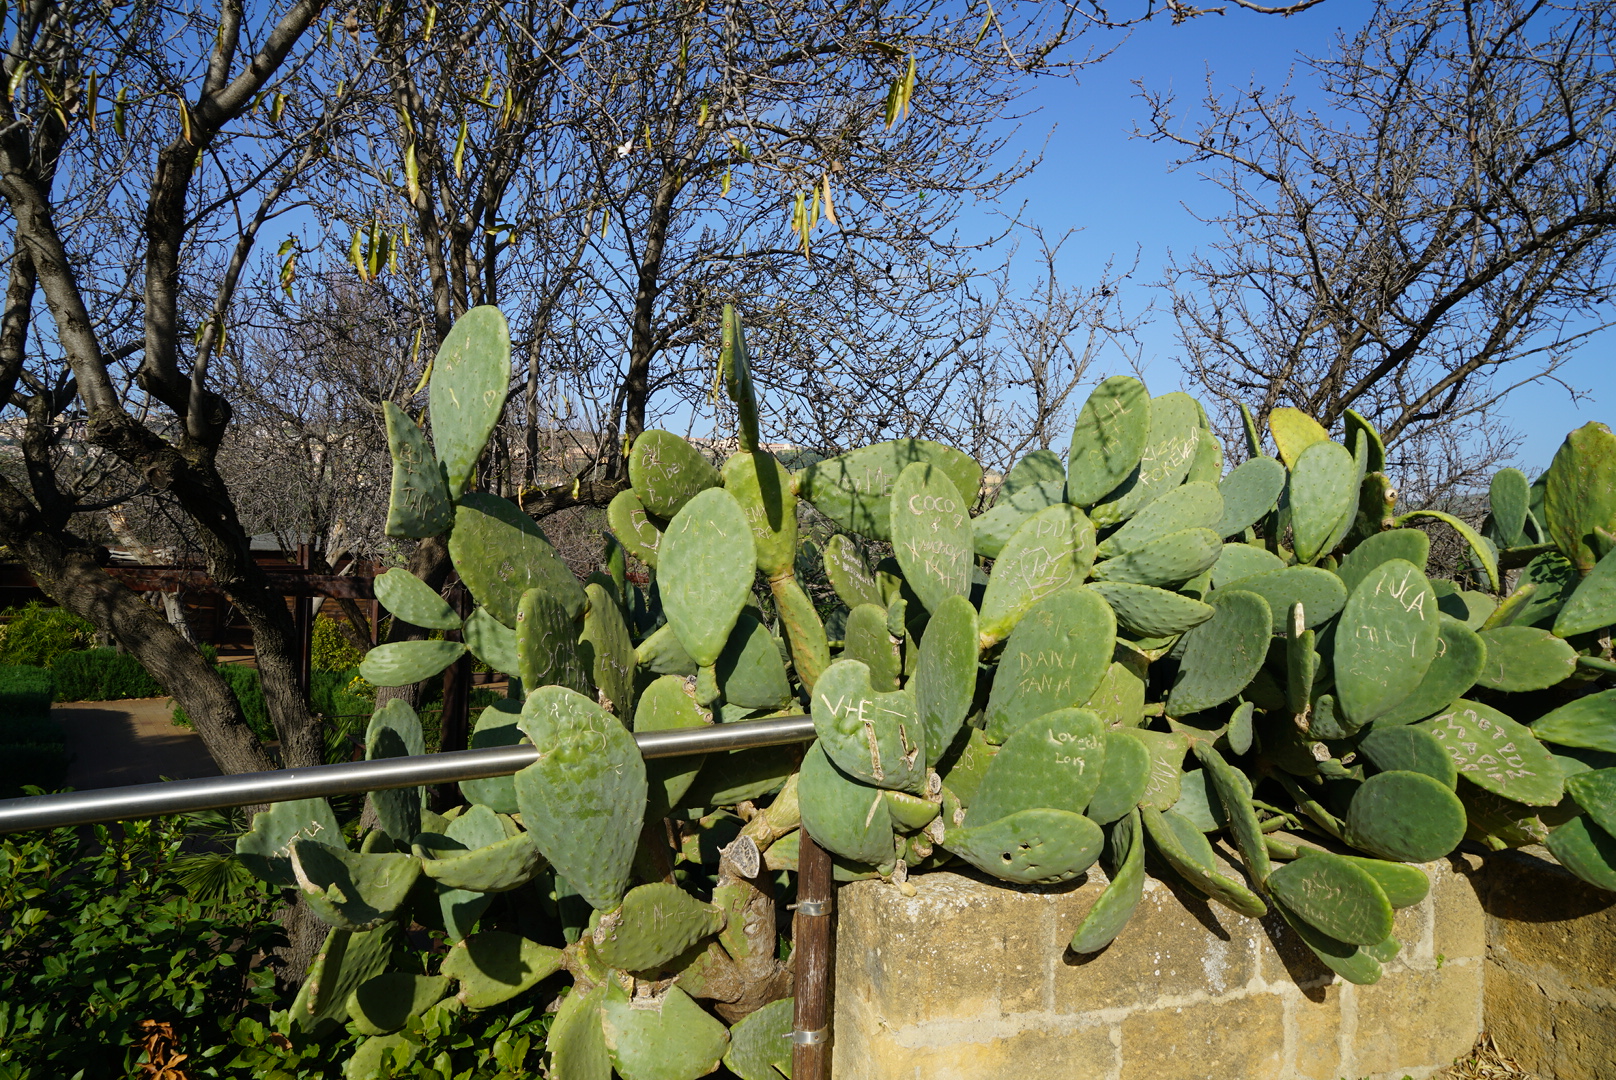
454	722
811	952
303	619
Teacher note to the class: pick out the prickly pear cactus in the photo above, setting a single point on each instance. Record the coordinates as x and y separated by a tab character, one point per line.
1115	657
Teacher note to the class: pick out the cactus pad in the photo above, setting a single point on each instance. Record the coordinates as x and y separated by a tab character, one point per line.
1040	845
667	472
466	394
491	641
1120	697
1405	817
1170	448
668	704
266	848
1403	885
1167	750
584	798
1055	760
1508	499
1324	498
1192	506
654	924
1497	754
344	962
419	505
547	649
352	891
413	601
1319	591
1336	895
496	726
501	553
1195	867
1586	850
1453	671
758	1046
1385	641
400	663
577	1038
1593	605
873	736
1169	560
1595	792
1588	722
707	565
867	639
668	1039
1239	560
1524	658
1250	490
762	486
395	731
931	534
606	645
382	1003
849	575
1579	493
1233	791
735	363
1111	912
1055	659
499	866
944	682
854	489
1151	612
1222	654
846	817
1108	439
493	967
1410	750
1124	779
1051	550
1354	964
1410	545
750	669
1294	431
633	527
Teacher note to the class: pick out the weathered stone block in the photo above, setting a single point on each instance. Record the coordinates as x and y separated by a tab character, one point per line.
1210	1040
1459	924
1415	1017
988	946
1315	1019
1175	945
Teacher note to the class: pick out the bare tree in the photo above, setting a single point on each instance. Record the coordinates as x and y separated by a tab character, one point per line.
1436	234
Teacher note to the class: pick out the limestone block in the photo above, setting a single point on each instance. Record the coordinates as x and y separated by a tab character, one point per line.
1315	1020
1176	945
1416	1016
1210	1040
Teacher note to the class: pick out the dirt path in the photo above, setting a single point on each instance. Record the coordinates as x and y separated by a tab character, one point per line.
129	742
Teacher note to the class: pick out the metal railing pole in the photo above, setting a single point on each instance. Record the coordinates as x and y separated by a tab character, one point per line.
354	777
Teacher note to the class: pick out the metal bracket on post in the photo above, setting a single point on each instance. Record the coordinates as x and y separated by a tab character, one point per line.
807	1038
811	908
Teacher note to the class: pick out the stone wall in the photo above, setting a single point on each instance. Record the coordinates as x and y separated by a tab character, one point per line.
1551	967
967	979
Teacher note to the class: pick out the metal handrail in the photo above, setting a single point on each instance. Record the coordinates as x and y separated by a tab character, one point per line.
354	777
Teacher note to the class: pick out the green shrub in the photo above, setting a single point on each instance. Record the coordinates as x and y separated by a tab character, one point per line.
25	692
103	675
36	634
103	928
33	747
332	651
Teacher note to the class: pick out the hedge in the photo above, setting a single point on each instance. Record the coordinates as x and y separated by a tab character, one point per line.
33	747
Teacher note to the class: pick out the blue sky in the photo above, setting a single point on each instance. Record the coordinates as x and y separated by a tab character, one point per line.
1119	192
